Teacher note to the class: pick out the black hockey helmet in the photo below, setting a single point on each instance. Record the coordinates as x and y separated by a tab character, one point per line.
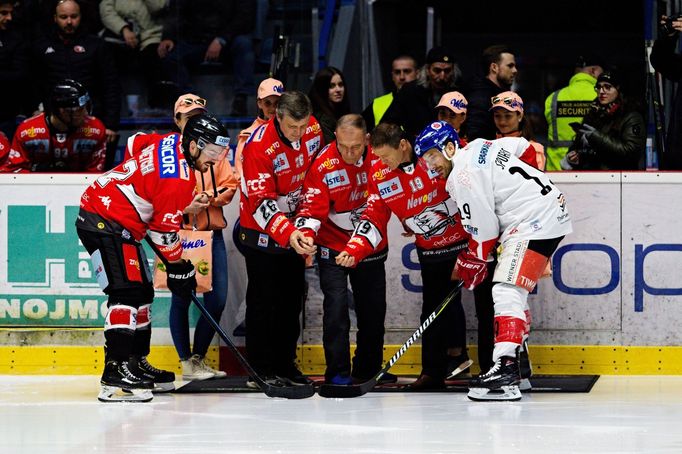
69	94
205	129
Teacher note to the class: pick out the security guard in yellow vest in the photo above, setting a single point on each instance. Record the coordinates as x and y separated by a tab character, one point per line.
569	105
403	70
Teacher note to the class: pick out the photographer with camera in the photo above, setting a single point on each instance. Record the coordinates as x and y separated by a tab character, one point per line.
669	63
612	135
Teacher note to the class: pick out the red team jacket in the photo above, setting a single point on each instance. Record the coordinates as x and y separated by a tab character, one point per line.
147	193
35	147
418	198
334	197
274	170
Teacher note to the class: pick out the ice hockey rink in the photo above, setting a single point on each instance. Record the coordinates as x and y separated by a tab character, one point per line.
621	414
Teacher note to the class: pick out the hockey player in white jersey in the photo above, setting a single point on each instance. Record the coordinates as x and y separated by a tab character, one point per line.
501	200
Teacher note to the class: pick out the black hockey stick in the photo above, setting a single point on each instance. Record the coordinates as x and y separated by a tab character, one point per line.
287	392
363	388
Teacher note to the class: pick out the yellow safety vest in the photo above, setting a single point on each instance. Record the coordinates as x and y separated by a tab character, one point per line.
567	105
380	105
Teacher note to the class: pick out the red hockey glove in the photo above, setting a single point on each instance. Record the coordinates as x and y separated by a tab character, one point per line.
470	269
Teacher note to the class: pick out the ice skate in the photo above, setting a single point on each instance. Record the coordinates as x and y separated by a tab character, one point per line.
501	382
162	379
119	384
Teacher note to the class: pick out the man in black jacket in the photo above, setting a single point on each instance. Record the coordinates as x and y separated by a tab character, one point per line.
669	63
204	31
413	106
13	69
66	52
499	66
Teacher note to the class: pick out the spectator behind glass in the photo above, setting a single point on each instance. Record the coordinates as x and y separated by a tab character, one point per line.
67	51
134	30
499	68
268	95
403	70
219	185
612	135
666	60
507	108
65	138
452	109
412	106
13	68
329	99
569	105
205	31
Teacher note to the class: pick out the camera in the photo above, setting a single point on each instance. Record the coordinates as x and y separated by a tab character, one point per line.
667	27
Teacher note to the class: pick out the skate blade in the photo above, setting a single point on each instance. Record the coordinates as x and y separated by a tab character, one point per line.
115	394
461	368
504	393
525	385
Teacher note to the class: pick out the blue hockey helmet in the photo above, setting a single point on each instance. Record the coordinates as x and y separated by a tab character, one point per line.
436	135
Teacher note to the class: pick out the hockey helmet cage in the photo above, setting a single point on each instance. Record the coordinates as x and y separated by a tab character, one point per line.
205	129
436	135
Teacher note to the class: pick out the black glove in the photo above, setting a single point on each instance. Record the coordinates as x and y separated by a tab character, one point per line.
181	279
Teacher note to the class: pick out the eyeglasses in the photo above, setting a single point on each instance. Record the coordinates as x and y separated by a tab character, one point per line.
438	70
198	101
507	100
605	87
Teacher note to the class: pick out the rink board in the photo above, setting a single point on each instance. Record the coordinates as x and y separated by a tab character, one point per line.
617	280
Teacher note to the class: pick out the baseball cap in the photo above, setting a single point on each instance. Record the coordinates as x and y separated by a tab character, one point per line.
455	101
507	100
270	87
439	54
188	102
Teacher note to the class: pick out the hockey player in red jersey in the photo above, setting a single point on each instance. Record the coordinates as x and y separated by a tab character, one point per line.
143	196
501	199
63	139
401	184
275	161
334	197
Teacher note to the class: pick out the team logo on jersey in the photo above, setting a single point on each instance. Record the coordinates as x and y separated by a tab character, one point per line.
432	221
79	49
168	159
106	201
293	199
324	253
310	194
313	145
61	138
535	226
280	162
263	240
390	188
172	218
337	179
259	183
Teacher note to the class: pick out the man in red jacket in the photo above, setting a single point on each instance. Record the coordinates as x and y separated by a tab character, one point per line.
275	162
335	196
143	197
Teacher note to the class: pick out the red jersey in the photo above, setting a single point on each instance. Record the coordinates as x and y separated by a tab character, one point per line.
274	170
147	194
38	148
334	197
417	196
4	149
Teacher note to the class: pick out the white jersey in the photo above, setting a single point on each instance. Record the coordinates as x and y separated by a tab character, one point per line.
500	196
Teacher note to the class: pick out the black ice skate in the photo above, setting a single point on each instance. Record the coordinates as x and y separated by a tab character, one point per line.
501	382
525	367
117	379
163	379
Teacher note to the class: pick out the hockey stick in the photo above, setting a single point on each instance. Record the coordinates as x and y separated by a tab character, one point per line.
287	392
327	390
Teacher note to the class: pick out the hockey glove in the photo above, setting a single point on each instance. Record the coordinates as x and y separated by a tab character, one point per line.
470	269
181	279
